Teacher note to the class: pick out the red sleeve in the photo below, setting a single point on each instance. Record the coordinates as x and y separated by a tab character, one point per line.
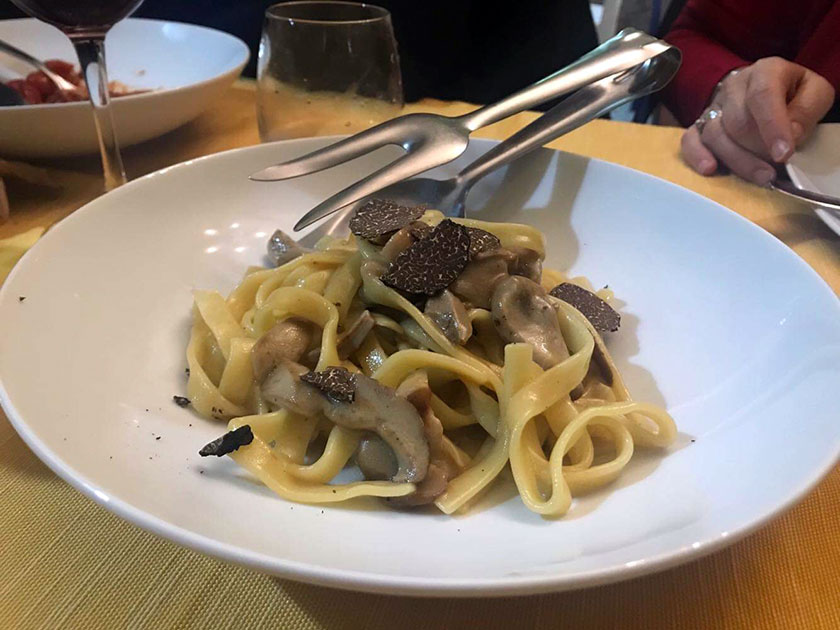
717	36
705	62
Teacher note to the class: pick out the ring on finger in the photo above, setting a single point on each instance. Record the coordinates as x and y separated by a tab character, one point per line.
710	114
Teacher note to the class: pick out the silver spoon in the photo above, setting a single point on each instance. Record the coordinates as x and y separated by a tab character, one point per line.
784	185
449	196
60	82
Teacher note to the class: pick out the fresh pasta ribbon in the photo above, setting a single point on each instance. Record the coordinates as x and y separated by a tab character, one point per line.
563	430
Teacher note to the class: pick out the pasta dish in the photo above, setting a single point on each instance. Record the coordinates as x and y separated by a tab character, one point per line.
417	359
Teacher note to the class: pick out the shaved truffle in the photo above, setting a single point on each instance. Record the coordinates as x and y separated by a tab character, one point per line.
601	315
431	264
229	442
482	241
336	383
379	217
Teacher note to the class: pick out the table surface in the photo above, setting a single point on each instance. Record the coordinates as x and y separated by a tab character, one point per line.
66	562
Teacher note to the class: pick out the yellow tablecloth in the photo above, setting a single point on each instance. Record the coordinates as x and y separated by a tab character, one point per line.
65	562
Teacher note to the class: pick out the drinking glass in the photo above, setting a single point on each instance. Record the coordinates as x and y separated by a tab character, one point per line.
326	68
86	22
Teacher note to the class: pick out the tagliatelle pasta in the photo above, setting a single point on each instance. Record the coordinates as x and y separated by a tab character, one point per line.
431	396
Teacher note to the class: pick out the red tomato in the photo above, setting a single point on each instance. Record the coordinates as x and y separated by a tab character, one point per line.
63	68
40	82
31	95
56	97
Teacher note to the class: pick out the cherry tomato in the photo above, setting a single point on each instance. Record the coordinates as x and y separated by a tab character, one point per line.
56	97
31	95
40	82
63	68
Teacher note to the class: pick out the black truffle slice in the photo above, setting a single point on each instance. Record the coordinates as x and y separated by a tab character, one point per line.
229	442
336	383
379	217
431	264
482	241
601	315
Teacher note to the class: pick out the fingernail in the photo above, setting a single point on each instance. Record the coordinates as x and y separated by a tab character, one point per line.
798	131
764	176
780	150
706	167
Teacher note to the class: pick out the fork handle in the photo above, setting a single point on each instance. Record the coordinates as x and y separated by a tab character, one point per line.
60	82
584	105
625	50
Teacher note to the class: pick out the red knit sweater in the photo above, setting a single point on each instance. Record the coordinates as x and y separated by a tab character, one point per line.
717	36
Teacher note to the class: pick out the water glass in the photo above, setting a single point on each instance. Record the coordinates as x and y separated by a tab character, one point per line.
326	68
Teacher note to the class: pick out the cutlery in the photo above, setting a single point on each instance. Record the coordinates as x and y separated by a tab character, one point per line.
60	82
592	101
431	140
784	185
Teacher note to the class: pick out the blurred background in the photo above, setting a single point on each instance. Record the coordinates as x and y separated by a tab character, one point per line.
498	51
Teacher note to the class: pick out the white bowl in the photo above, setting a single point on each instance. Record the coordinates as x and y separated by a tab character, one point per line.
816	166
187	67
722	323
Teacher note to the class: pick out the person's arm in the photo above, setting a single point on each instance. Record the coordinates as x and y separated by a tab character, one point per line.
697	33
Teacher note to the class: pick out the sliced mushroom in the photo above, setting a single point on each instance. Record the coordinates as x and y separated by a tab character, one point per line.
287	339
400	241
450	315
375	458
375	408
522	313
351	339
476	283
282	248
444	462
528	263
378	408
599	357
283	388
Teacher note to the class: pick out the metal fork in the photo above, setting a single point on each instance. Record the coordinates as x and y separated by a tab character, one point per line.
60	82
431	140
449	196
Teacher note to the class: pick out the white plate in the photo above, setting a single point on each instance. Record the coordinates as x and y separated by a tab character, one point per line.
723	323
816	167
186	66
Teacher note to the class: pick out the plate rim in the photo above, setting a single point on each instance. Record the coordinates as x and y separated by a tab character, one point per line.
235	69
800	178
380	583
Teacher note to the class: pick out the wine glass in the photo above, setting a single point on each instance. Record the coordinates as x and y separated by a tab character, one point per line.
86	22
326	68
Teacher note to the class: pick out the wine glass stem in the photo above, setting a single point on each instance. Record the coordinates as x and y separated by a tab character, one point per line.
91	54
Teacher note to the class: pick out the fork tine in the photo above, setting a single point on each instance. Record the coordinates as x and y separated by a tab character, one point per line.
398	170
332	155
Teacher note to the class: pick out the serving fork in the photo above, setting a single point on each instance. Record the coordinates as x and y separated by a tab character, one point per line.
449	196
431	140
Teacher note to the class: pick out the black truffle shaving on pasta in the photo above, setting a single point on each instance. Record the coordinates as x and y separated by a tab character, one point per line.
336	383
380	217
482	241
601	315
229	442
433	263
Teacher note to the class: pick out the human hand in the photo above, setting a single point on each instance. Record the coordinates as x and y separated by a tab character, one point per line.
765	110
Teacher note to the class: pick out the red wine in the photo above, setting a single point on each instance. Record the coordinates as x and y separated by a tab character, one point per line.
80	18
